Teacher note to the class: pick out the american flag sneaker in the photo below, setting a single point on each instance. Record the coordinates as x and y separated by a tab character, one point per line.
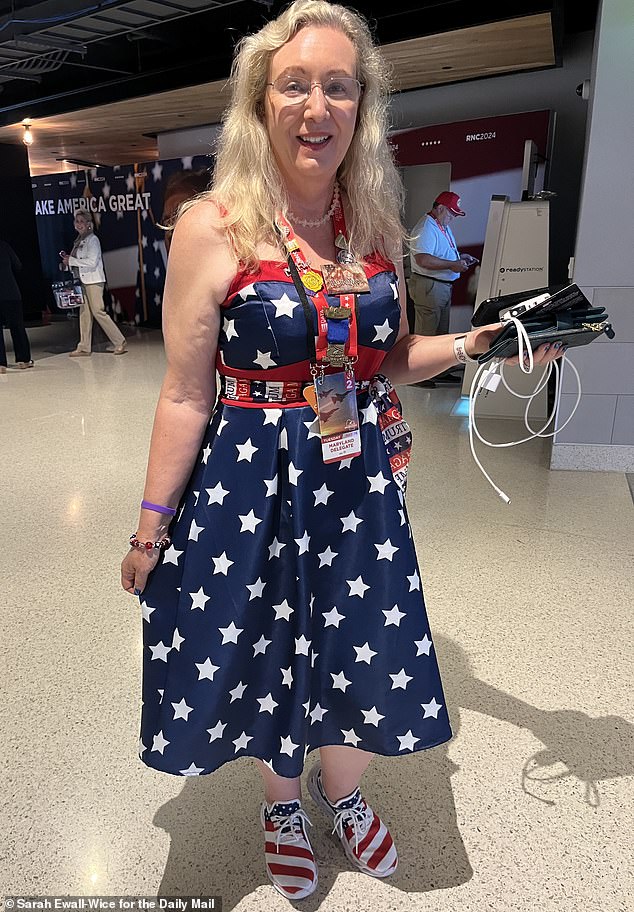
290	863
365	838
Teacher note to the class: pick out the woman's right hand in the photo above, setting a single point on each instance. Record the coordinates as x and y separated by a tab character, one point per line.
136	567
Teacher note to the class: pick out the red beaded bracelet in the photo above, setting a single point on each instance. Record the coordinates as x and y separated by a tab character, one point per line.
148	545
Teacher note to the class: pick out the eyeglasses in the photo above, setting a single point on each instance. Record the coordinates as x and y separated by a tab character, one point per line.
336	90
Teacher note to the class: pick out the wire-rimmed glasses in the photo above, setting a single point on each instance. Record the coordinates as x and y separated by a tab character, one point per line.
336	89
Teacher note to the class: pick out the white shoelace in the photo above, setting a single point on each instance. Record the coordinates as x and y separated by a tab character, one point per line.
289	827
360	820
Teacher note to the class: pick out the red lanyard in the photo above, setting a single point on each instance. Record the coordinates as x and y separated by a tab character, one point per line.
315	283
444	231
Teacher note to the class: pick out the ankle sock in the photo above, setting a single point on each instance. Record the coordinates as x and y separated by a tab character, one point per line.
344	803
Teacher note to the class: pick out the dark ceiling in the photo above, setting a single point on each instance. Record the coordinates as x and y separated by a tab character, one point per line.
62	55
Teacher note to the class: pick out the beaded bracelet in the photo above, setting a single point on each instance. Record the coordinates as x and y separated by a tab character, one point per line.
148	545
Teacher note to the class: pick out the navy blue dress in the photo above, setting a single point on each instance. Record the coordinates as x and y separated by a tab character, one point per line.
288	612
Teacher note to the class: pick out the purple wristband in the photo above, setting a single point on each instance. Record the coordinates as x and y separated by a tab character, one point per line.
168	511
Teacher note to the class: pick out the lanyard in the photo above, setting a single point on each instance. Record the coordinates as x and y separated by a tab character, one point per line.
444	231
336	344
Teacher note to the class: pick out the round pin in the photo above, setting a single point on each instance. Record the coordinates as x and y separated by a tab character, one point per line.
345	258
312	280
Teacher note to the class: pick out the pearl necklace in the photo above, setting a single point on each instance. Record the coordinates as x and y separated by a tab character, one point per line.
316	223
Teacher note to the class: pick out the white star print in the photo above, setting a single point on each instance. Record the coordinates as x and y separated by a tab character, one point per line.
194	531
264	360
283	610
171	555
306	706
333	617
394	288
182	710
216	494
242	741
386	550
378	482
199	599
271	415
143	241
157	171
423	646
196	496
326	557
249	522
372	716
146	611
248	292
400	680
238	692
192	770
287	676
177	640
230	329
350	737
414	581
222	563
160	651
260	647
382	332
284	307
370	414
321	496
313	428
393	616
317	714
313	656
301	645
350	522
159	743
407	741
206	454
339	681
293	474
401	513
357	587
288	747
217	731
302	543
221	424
206	670
431	709
275	548
230	634
345	463
364	653
271	486
246	450
267	703
256	589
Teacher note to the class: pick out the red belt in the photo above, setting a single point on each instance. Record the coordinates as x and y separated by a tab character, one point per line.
268	393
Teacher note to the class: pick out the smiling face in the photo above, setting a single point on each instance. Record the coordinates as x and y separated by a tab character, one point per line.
310	139
82	226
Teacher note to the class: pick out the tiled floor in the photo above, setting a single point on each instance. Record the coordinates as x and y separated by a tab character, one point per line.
528	808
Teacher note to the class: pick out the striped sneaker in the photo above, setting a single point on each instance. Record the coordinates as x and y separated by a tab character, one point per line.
290	863
365	838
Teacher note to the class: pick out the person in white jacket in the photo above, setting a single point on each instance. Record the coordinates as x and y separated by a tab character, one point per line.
86	262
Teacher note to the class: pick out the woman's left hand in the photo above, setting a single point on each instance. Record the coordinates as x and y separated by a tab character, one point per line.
65	262
479	340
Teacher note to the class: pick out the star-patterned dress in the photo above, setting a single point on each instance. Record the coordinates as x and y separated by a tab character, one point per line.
288	614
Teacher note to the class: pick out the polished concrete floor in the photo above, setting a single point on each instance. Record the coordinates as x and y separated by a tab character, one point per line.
528	808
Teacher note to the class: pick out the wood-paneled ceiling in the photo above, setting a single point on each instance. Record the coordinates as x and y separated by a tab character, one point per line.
125	131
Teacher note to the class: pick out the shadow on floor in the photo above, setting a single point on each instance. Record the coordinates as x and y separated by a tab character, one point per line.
216	840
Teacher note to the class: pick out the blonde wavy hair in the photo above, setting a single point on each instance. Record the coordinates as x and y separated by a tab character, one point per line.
247	182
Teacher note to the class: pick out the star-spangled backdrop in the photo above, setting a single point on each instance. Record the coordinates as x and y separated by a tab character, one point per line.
132	243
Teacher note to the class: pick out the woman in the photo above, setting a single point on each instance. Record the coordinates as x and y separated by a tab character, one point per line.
286	613
87	265
11	310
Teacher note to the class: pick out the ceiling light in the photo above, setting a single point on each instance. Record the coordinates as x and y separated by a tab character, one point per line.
27	137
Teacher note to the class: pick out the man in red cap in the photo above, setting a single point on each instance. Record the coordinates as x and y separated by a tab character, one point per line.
435	266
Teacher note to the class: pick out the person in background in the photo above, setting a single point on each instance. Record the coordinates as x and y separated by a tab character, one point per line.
11	310
435	265
86	262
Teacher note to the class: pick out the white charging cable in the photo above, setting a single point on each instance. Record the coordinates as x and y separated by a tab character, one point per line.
488	378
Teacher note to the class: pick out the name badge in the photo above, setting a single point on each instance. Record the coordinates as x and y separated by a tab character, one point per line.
338	416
